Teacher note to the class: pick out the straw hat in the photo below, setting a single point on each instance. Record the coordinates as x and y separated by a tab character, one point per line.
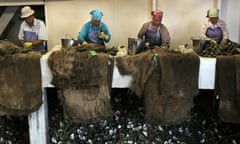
26	12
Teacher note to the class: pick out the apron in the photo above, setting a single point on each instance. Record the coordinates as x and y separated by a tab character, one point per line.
32	36
92	36
215	33
153	36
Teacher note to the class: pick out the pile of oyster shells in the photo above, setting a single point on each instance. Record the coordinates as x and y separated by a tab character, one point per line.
129	127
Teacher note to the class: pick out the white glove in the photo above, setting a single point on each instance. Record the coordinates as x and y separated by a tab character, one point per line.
103	36
147	44
213	41
84	43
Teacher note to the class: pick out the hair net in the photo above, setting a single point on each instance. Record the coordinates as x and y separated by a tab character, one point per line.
96	14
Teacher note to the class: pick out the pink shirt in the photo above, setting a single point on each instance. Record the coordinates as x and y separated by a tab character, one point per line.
163	30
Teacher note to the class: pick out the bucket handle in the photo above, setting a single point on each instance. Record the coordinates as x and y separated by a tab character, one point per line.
68	36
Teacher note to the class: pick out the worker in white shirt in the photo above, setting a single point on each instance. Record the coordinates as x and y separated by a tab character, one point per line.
33	32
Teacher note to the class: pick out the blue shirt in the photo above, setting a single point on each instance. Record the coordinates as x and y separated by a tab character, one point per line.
87	27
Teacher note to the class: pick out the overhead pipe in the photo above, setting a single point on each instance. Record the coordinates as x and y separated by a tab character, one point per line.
154	5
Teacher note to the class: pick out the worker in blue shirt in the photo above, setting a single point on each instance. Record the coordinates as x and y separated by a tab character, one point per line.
94	31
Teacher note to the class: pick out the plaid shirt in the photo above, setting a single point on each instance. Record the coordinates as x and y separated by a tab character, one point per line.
165	35
38	27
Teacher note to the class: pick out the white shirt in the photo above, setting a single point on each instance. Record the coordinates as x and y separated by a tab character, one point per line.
38	27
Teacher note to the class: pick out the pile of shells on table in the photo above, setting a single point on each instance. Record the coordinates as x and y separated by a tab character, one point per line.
226	47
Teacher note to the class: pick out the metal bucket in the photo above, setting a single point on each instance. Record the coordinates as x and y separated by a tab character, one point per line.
134	46
67	43
195	42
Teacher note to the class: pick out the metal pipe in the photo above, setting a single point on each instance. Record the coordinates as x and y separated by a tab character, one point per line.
154	5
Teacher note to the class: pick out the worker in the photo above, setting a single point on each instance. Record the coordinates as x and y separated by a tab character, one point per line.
214	29
94	31
154	32
32	33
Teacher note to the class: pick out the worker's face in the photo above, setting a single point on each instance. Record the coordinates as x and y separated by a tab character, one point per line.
213	20
156	22
95	22
29	20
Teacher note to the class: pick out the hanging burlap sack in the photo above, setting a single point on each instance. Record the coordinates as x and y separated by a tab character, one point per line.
139	66
20	83
228	70
168	81
84	79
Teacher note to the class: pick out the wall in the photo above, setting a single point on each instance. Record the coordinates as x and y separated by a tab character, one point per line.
123	17
231	15
184	18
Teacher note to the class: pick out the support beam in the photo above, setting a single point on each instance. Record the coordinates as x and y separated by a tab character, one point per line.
6	17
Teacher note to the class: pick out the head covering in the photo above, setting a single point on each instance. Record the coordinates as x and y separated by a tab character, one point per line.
157	15
213	12
26	12
96	14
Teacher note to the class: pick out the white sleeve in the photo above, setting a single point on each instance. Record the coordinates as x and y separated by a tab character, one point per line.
20	33
42	33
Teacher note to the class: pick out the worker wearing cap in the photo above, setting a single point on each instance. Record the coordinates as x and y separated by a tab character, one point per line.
32	33
154	32
214	29
94	31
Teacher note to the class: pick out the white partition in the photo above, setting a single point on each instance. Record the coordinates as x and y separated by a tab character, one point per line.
38	123
207	69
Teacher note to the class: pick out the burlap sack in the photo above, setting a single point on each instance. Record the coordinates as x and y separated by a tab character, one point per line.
168	81
228	88
20	83
84	79
170	89
8	48
140	66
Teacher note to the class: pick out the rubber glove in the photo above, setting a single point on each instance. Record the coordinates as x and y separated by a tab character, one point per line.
213	41
84	43
103	36
147	44
27	44
224	44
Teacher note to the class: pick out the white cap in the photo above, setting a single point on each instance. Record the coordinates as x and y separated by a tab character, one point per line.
213	12
26	12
